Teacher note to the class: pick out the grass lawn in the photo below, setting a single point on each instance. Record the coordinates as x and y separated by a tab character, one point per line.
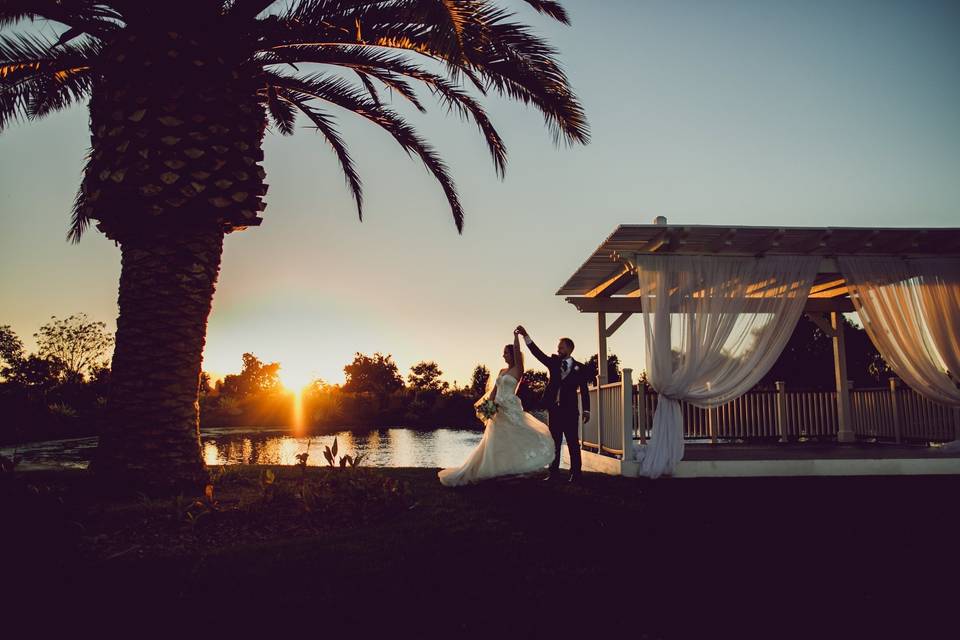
391	551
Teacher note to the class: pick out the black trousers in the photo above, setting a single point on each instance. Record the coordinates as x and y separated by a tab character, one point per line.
565	423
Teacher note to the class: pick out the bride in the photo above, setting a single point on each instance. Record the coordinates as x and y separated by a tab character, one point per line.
513	442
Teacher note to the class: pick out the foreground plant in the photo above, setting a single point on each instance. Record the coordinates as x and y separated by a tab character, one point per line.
180	94
346	460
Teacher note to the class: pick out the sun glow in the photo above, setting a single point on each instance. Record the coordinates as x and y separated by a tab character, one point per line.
296	375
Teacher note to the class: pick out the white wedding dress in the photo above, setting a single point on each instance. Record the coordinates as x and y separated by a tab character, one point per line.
513	442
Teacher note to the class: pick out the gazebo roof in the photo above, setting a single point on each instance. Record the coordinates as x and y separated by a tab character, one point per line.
606	283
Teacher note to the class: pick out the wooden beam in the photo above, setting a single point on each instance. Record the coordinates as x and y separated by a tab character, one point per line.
624	304
831	293
772	241
822	320
821	305
656	243
829	289
820	243
612	284
678	238
904	243
725	240
616	324
823	286
871	239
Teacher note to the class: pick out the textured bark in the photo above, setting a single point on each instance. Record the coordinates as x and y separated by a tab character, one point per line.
176	131
152	436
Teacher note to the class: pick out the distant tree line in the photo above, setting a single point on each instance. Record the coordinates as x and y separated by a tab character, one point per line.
59	391
374	394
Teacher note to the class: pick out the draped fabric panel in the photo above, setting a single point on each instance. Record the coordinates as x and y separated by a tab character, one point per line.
910	308
713	327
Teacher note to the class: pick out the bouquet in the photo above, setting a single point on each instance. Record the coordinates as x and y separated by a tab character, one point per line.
486	409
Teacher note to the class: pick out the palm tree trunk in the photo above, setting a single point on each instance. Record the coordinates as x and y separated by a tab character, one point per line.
151	439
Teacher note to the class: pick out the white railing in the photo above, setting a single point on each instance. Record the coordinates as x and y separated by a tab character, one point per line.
611	407
895	413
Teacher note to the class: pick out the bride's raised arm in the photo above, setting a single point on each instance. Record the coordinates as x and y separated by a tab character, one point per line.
517	356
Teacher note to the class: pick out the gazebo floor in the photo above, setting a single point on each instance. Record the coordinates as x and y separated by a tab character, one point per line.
703	460
812	451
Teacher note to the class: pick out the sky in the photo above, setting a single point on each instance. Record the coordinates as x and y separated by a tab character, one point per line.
815	113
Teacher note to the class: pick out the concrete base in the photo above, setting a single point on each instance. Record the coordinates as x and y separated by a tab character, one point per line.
783	468
865	465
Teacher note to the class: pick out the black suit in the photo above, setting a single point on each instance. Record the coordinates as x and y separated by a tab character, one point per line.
560	401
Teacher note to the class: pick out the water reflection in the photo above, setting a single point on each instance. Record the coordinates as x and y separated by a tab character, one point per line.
395	447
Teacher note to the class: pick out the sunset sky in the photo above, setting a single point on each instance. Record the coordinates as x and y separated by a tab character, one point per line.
754	113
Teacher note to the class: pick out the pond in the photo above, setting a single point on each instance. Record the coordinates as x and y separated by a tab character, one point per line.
387	447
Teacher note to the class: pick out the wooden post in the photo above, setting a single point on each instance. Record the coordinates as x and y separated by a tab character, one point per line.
642	411
845	431
602	352
626	381
896	410
601	375
782	410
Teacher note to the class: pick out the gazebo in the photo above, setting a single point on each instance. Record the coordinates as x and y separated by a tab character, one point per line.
718	304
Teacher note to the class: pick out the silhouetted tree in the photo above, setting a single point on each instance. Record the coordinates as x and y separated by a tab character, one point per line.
531	388
375	375
206	388
11	350
479	380
425	376
37	373
80	344
254	379
613	366
39	399
807	360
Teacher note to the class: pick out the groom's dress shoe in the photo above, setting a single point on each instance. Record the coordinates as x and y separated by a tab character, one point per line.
550	477
574	479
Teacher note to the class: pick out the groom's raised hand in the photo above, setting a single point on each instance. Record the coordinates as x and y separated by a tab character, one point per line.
521	331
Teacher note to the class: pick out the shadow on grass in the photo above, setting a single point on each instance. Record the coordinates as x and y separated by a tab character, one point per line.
391	550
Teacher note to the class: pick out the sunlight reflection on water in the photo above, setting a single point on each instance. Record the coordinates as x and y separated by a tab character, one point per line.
393	447
381	448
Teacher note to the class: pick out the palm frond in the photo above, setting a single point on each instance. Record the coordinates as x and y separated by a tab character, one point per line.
339	92
97	19
550	8
324	124
57	92
368	85
36	80
396	83
79	215
451	95
495	52
281	112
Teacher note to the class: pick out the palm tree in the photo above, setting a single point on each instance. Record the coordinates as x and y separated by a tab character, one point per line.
180	94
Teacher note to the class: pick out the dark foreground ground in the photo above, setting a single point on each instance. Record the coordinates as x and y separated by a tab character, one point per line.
390	553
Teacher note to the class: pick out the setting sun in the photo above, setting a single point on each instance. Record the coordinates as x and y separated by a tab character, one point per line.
296	375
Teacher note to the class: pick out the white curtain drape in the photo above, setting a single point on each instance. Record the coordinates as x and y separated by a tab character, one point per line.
713	327
910	308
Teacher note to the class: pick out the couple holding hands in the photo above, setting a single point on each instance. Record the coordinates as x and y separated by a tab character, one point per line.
515	442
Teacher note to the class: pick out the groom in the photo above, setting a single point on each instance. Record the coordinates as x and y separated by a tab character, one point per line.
567	376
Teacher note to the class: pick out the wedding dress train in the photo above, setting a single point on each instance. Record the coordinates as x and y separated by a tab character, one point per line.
513	442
